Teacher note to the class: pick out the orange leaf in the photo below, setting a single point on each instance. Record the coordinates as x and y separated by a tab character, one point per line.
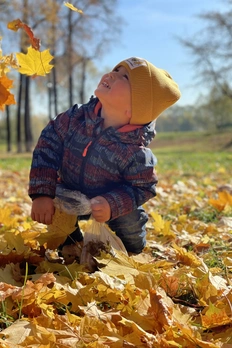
215	317
6	98
17	24
4	94
224	199
161	309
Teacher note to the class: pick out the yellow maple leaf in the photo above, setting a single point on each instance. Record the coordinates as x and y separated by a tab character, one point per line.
34	62
186	257
6	218
73	8
214	317
158	223
224	200
62	225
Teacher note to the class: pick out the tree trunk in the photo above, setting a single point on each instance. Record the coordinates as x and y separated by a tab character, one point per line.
18	124
8	128
27	117
69	58
83	79
54	85
50	90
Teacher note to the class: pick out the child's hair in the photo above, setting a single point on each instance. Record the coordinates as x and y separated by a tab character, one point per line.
152	89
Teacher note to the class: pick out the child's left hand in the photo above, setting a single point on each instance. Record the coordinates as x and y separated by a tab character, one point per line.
100	209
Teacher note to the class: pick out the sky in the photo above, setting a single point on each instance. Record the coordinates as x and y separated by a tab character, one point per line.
150	31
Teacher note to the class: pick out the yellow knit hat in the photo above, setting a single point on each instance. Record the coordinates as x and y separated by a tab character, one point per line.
152	90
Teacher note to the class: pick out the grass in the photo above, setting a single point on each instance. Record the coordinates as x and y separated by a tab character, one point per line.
15	162
185	142
188	152
188	163
183	152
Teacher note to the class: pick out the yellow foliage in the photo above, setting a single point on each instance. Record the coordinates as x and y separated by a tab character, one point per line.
165	297
34	63
62	225
214	317
6	218
224	200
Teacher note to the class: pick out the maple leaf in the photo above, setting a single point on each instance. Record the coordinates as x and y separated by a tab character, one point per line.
224	199
161	226
6	218
6	98
73	8
187	257
34	63
17	24
214	317
161	308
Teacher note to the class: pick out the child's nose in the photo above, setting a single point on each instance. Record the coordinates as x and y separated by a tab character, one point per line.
112	74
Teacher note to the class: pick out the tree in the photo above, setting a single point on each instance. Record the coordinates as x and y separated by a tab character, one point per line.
216	110
75	41
210	49
86	38
211	55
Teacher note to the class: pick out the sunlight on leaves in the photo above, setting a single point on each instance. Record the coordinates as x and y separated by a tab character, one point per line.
34	63
177	293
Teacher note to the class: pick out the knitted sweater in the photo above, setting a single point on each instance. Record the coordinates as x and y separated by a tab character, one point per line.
113	163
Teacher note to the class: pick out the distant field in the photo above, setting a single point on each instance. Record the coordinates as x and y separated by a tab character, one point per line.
15	162
184	152
188	152
193	141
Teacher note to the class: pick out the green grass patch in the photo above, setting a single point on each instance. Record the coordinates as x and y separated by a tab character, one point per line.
15	162
192	163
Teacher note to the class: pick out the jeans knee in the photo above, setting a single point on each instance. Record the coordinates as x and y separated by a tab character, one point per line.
131	230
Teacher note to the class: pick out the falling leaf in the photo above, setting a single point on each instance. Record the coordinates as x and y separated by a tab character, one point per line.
73	8
6	98
34	63
17	24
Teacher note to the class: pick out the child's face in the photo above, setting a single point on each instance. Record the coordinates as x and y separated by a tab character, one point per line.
114	89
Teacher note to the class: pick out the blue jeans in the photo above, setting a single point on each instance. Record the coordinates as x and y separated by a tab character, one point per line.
129	228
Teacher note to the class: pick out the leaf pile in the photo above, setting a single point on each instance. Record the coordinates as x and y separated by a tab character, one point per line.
177	293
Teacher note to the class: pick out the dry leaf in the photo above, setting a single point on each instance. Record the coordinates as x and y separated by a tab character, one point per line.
34	63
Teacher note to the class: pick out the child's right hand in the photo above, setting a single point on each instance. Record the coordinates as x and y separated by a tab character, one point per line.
43	210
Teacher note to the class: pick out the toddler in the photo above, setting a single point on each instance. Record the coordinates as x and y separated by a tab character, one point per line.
100	149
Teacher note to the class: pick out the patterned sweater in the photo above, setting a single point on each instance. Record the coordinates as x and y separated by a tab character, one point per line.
113	163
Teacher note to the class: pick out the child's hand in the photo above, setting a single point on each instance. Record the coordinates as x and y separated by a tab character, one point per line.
42	210
100	209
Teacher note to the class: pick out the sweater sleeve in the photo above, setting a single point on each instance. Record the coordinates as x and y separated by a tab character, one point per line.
138	187
47	156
